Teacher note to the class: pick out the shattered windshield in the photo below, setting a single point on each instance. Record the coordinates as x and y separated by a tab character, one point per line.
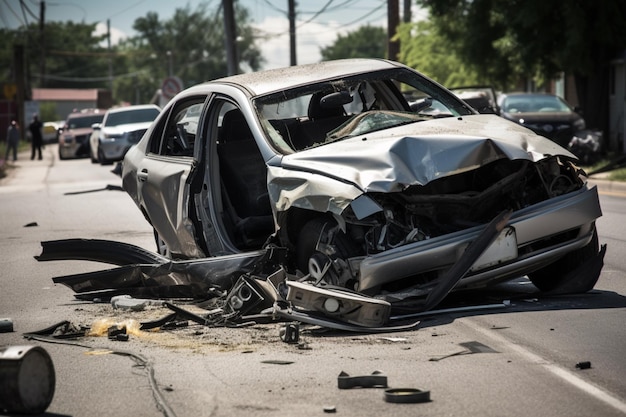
317	114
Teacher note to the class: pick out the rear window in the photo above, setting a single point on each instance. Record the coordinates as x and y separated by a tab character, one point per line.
131	116
81	122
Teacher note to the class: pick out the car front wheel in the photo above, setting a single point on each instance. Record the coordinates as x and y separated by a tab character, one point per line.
575	273
310	261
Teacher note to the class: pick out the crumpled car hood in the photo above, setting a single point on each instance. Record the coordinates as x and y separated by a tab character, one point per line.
416	154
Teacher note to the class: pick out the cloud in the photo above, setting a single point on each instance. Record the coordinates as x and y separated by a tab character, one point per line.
117	35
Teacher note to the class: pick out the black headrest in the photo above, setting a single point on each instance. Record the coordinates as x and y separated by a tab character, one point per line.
235	127
316	111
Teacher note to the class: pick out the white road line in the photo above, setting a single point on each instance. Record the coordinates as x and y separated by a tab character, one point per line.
564	374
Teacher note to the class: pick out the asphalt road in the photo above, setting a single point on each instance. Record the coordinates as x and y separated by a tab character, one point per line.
521	358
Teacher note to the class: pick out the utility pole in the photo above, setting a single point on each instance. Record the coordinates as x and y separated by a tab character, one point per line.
20	84
393	19
110	56
231	37
292	33
42	44
406	15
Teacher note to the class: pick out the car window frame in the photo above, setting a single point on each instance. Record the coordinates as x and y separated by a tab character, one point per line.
158	144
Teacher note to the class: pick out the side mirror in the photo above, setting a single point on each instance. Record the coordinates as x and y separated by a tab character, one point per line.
96	126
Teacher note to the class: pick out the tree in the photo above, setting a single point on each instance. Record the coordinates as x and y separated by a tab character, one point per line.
190	45
422	47
74	57
365	42
537	39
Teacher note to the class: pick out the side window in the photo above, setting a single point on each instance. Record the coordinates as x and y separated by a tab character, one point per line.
180	130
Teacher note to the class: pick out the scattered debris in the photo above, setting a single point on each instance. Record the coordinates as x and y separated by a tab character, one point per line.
394	339
114	331
126	302
583	365
28	379
61	330
470	347
6	325
406	395
375	380
31	224
330	409
290	333
277	362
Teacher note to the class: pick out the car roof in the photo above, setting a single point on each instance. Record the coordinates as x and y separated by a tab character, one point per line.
264	82
88	113
133	107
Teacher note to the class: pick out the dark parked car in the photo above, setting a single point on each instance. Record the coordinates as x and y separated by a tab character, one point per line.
364	190
481	98
546	114
74	136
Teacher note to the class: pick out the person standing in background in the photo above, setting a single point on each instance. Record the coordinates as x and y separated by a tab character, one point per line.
36	136
13	140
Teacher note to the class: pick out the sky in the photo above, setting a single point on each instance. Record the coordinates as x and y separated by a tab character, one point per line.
318	22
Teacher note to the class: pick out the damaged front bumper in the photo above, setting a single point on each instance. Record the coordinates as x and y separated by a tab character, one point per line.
574	213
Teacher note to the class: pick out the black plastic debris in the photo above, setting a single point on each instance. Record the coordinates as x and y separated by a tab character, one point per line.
375	380
6	325
61	330
583	365
31	224
114	331
290	333
470	347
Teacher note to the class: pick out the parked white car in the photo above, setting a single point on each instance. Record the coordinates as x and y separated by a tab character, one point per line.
121	128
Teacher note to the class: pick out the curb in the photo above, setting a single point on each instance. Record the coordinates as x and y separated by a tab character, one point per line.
608	187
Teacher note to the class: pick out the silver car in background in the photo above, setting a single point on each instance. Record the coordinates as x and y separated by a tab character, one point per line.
76	131
372	178
121	128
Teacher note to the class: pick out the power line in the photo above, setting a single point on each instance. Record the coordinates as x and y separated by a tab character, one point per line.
14	13
90	79
317	14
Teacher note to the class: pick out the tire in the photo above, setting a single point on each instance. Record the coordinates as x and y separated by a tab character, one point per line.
161	246
102	159
560	277
307	242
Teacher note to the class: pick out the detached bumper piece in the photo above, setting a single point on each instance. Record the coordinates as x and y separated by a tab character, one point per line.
244	287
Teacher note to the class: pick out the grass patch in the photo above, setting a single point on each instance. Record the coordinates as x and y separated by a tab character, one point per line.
613	165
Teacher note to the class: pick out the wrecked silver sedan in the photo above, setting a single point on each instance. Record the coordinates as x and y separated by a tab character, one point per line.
374	181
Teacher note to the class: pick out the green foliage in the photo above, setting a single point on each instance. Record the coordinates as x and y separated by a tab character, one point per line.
365	42
504	40
422	47
193	39
190	44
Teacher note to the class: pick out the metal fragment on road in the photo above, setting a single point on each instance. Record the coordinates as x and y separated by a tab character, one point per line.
375	380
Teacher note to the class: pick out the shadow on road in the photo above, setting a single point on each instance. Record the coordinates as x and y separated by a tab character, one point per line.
519	296
109	187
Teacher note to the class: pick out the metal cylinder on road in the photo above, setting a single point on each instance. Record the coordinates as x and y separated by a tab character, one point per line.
27	379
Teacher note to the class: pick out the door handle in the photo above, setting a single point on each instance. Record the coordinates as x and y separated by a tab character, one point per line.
142	175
